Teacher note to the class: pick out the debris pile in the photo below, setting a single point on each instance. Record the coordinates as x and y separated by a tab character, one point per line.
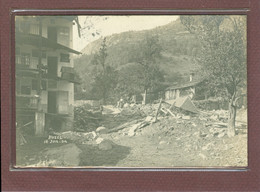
175	130
85	119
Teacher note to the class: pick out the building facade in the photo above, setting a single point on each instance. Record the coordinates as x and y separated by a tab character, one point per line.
183	90
45	76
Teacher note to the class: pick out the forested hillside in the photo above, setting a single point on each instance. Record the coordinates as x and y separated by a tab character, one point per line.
178	50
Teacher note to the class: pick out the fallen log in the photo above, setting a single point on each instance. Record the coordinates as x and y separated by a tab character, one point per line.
169	111
164	111
132	130
217	125
125	125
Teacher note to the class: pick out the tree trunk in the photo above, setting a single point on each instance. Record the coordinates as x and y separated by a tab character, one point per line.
144	98
232	118
157	112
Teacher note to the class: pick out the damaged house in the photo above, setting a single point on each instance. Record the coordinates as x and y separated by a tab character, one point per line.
44	75
182	90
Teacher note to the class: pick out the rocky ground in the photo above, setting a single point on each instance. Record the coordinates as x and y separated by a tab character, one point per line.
130	137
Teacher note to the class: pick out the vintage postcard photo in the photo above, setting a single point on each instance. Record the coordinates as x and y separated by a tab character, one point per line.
149	91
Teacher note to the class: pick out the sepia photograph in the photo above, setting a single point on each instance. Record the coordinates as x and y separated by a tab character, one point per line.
131	91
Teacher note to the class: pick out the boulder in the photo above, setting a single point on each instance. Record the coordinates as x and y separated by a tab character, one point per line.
149	118
102	130
99	140
105	145
186	117
214	117
162	142
221	134
66	155
90	135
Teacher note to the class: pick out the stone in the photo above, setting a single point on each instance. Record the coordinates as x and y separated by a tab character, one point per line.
214	117
204	157
90	135
221	134
186	117
99	140
207	147
102	130
149	118
66	155
194	125
162	142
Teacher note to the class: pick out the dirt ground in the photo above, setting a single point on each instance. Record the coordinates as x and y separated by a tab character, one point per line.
181	145
180	141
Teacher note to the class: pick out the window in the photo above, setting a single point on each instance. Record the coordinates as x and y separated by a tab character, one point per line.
64	58
64	36
35	53
34	29
67	73
44	85
25	59
17	55
34	84
25	90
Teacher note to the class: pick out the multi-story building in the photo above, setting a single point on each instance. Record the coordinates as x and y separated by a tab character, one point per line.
44	72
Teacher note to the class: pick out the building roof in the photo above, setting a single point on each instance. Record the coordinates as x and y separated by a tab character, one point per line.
184	103
32	39
185	85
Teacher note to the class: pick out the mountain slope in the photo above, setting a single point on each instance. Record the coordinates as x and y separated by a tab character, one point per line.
179	48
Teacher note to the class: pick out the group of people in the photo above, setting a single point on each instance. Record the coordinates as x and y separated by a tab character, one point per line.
127	100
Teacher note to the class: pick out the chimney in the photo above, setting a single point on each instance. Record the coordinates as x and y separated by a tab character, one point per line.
191	77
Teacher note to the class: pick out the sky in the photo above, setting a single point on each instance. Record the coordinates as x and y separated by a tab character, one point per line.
101	26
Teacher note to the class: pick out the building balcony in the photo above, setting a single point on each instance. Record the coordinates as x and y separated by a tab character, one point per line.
39	41
26	102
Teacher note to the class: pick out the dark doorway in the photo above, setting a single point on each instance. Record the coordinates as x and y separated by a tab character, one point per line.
52	102
52	34
52	67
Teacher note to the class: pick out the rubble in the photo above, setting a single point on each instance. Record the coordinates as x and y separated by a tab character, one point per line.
99	140
90	135
134	127
186	117
176	134
85	119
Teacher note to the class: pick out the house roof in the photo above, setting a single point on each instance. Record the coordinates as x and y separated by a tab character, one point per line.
184	103
185	85
32	39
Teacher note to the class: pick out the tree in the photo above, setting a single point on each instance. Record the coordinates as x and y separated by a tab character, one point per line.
130	77
146	55
223	56
104	75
